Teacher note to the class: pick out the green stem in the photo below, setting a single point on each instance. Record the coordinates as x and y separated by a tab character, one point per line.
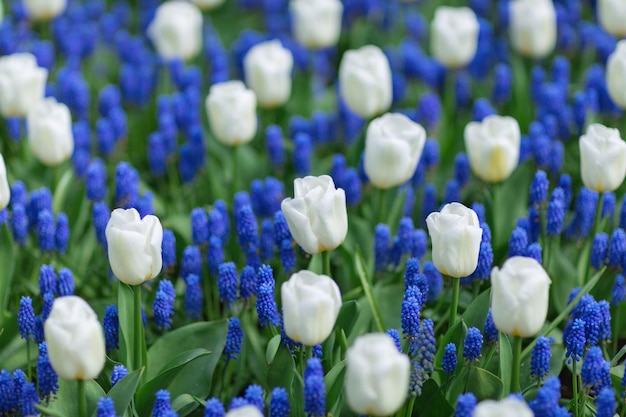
82	399
598	220
517	359
409	408
369	294
618	356
138	327
456	283
382	212
326	263
575	387
29	371
588	286
235	171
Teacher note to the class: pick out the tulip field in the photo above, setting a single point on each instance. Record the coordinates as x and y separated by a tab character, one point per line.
311	208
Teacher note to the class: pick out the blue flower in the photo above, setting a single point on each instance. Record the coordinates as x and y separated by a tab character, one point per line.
214	408
617	246
46	231
279	404
96	180
382	246
105	407
490	330
540	358
575	340
29	399
119	372
234	339
599	250
100	219
395	335
473	344
163	306
19	224
448	362
191	263
518	242
595	372
546	404
314	389
618	293
227	282
266	308
410	312
162	405
605	403
194	298
254	395
111	328
46	376
302	154
168	249
274	145
435	280
126	185
199	226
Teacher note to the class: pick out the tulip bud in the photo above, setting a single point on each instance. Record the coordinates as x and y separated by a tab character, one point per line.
208	4
493	147
393	147
22	84
268	67
75	339
134	246
50	136
245	411
612	16
311	304
519	296
616	74
5	190
316	23
377	375
454	36
231	109
456	235
602	158
510	407
365	81
532	27
176	30
44	9
317	215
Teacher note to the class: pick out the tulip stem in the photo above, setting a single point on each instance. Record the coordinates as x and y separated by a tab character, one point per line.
82	399
575	387
456	283
326	263
29	371
138	333
233	185
517	358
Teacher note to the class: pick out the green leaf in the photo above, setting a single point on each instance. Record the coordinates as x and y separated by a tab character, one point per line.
281	370
67	398
433	402
476	313
122	393
185	404
334	387
484	384
456	334
272	348
7	260
506	361
347	316
125	313
367	288
145	395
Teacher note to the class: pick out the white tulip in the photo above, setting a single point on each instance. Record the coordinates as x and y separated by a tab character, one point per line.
134	246
176	30
508	407
377	375
268	67
602	158
245	411
44	9
612	16
365	81
393	147
317	215
22	84
231	109
208	4
493	147
5	190
316	23
455	234
49	128
532	27
75	339
454	36
311	304
519	296
616	74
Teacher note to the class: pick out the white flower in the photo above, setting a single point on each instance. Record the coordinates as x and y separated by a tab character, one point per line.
134	246
612	16
231	109
50	136
317	215
208	4
316	23
492	147
245	411
454	36
455	234
532	27
176	30
75	339
616	74
22	84
393	147
365	81
44	9
508	407
602	158
311	304
377	375
519	296
268	67
5	190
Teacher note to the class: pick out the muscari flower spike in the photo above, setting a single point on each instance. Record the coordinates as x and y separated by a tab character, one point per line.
234	339
540	358
448	362
119	372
